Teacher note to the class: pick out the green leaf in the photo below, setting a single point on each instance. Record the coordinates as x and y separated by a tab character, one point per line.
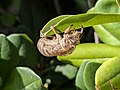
109	70
27	50
67	70
23	78
108	33
86	20
98	53
52	23
114	83
8	19
106	36
92	51
89	75
79	81
78	62
75	62
8	57
105	6
24	29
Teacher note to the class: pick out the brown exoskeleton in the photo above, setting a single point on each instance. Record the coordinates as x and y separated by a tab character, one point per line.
59	45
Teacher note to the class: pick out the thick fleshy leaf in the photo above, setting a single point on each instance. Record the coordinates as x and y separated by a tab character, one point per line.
107	71
8	57
75	62
108	33
113	83
68	70
24	29
79	81
86	20
91	51
78	62
27	50
106	36
89	75
23	78
52	23
105	6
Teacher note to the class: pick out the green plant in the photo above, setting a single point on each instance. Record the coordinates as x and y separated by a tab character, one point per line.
102	69
16	50
91	66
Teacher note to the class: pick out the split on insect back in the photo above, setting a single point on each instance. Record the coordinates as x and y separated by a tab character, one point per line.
59	45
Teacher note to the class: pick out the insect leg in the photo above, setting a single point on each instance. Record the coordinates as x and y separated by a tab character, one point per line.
42	35
96	87
111	85
57	35
81	29
53	30
68	29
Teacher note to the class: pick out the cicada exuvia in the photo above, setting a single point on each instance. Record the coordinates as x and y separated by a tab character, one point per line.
59	45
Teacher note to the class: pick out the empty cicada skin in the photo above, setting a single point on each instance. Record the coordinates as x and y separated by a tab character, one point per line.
59	45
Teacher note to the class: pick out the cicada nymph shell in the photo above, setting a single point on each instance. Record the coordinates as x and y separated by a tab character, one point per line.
59	45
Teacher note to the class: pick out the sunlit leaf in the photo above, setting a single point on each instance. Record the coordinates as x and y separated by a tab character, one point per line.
113	83
109	70
108	33
91	52
86	20
52	23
